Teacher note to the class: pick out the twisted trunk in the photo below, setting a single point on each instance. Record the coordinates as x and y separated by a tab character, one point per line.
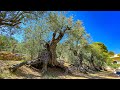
53	46
53	61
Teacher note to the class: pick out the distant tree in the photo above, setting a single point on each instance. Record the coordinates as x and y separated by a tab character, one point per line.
111	53
102	46
119	55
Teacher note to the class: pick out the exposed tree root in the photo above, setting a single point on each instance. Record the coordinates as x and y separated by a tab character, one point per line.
38	65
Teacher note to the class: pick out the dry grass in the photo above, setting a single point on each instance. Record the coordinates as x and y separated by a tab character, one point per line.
5	55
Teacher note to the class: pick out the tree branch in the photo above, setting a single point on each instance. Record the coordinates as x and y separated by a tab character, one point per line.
54	34
17	17
61	34
67	28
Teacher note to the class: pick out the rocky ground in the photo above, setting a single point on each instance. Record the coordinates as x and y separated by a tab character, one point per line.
26	72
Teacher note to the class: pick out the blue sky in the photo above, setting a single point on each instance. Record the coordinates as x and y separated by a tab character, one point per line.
103	26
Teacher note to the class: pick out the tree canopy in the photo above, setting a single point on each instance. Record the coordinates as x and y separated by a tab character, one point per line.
11	21
103	47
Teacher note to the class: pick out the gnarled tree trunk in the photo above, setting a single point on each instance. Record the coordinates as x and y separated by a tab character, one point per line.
53	45
53	61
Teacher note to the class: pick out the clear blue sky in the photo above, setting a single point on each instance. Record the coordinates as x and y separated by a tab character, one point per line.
103	26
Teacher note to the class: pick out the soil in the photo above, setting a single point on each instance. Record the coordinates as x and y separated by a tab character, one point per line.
26	72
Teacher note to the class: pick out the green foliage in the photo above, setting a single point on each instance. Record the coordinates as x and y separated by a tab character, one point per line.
34	37
111	53
7	43
102	46
115	66
119	55
3	42
99	57
56	21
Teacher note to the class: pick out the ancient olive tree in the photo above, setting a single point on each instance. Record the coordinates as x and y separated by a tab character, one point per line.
59	26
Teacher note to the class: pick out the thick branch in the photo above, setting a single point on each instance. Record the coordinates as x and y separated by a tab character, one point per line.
54	34
61	34
9	22
18	16
67	28
15	20
16	66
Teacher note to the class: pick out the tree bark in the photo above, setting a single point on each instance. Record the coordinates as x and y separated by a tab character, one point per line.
53	45
16	66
